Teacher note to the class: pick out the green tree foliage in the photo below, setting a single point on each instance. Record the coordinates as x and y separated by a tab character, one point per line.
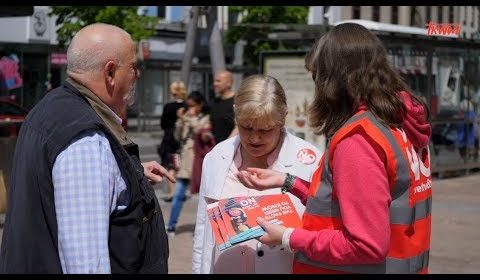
72	18
257	22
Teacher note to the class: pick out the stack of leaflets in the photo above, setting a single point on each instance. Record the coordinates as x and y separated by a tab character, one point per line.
234	220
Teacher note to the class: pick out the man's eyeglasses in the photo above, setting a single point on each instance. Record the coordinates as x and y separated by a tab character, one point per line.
135	68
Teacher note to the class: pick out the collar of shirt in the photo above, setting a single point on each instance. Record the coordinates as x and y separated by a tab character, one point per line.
117	118
110	119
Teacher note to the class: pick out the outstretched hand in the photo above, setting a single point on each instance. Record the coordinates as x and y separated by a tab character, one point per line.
261	179
155	172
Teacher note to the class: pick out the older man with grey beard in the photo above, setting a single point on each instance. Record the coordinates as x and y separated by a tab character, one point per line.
80	201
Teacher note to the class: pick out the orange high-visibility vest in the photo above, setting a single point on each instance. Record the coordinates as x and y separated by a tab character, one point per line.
409	178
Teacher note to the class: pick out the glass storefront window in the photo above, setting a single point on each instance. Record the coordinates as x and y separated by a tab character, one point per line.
411	63
454	98
455	127
153	92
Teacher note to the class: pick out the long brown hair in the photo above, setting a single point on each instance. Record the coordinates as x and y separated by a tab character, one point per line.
349	66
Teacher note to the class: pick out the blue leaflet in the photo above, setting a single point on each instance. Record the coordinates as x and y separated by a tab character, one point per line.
224	246
252	233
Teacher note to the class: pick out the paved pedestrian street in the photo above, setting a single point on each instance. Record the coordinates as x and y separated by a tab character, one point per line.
455	244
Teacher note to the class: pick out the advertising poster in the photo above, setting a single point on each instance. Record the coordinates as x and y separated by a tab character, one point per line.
290	71
450	93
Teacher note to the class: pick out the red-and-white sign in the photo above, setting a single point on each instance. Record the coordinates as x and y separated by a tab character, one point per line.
443	28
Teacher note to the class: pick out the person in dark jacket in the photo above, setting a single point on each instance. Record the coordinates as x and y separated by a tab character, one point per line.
168	149
189	124
222	115
80	200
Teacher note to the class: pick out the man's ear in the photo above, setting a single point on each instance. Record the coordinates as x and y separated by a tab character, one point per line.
109	73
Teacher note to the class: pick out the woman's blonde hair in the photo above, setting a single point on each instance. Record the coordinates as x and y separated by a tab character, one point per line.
260	102
178	89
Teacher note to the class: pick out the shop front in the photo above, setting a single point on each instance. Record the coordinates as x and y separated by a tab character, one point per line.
445	72
160	60
26	43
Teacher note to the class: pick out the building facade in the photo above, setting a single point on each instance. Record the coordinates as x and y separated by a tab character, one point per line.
166	49
449	64
418	16
443	71
31	42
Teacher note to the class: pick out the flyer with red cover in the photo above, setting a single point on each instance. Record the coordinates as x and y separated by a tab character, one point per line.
212	217
234	220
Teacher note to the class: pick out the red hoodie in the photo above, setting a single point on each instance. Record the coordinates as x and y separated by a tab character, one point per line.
363	194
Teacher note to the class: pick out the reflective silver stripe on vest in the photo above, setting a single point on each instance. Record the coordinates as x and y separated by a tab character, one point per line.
400	211
402	182
322	203
391	265
407	215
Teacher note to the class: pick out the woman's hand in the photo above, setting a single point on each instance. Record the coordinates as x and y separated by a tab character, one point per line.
273	233
261	179
192	111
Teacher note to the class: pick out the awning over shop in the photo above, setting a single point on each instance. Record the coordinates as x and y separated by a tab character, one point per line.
167	49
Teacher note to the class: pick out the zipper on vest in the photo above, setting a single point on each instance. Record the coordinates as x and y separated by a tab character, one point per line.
149	215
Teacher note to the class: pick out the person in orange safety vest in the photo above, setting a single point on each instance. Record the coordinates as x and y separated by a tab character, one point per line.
368	206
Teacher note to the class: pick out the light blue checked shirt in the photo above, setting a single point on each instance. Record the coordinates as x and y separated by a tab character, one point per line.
88	187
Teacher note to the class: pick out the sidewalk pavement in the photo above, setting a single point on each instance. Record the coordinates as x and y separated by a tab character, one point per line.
147	143
455	243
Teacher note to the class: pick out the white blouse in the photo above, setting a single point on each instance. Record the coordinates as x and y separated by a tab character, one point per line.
245	253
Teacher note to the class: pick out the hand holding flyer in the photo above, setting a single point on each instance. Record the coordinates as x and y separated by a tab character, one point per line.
233	220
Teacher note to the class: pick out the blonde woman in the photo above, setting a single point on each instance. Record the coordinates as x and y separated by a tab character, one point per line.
169	146
260	110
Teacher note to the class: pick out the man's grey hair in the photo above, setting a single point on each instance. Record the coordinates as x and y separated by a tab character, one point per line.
90	56
85	60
